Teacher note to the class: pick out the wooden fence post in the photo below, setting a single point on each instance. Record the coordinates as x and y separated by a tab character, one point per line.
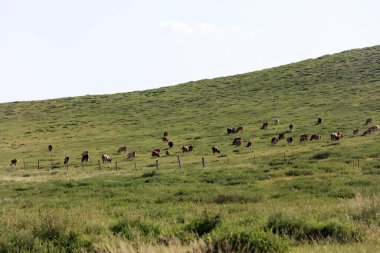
116	165
135	163
51	161
67	166
98	164
38	163
358	163
203	162
156	163
179	162
24	163
82	165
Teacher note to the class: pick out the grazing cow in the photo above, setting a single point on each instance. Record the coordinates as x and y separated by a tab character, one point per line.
66	160
289	140
167	152
249	144
191	148
185	149
265	125
319	121
85	156
131	155
122	149
155	153
236	141
371	130
165	138
50	148
367	132
368	121
274	140
281	136
336	136
166	134
276	121
171	144
238	129
215	149
315	137
106	158
355	132
303	138
291	127
231	130
13	162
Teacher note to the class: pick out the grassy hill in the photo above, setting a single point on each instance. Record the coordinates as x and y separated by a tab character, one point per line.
319	195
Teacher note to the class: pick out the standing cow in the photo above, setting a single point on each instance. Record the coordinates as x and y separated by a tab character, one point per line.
85	156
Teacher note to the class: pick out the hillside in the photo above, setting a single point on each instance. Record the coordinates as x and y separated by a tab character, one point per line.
241	190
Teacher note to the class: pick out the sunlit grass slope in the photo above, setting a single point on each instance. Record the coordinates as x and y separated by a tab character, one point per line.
319	195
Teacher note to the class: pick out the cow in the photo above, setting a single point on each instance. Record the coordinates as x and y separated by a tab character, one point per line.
238	129
291	127
289	140
131	155
167	152
215	149
274	140
276	121
368	121
371	130
355	132
85	156
367	132
319	121
281	136
303	138
166	134
265	125
165	138
171	144
185	149
13	162
155	153
236	141
122	149
66	160
249	144
191	148
336	136
231	130
106	158
50	148
315	137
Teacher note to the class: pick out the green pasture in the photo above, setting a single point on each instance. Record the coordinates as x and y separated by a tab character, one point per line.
318	196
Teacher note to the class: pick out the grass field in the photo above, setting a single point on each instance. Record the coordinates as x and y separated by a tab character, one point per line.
318	196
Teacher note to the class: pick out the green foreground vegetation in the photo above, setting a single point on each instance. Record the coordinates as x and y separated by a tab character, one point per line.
318	196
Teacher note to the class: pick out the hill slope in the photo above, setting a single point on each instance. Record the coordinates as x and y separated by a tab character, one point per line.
270	197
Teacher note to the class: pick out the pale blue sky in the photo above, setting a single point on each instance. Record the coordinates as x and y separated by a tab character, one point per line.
61	48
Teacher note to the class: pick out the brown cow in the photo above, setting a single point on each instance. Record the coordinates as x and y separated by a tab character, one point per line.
106	158
185	149
336	136
291	127
167	152
191	148
303	138
166	134
131	155
215	149
85	156
165	138
249	144
238	129
155	153
265	125
289	140
319	121
171	144
274	140
50	148
315	137
281	136
231	130
236	141
13	162
122	149
66	160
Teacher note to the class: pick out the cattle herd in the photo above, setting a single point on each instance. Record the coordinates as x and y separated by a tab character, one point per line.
335	136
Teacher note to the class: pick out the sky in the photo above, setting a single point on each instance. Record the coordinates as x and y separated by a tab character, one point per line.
64	48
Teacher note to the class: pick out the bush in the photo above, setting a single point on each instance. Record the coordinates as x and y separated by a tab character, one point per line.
322	155
301	231
204	224
132	230
245	241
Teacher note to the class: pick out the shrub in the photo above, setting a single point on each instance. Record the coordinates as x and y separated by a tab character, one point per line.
204	224
132	230
245	241
301	231
322	155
